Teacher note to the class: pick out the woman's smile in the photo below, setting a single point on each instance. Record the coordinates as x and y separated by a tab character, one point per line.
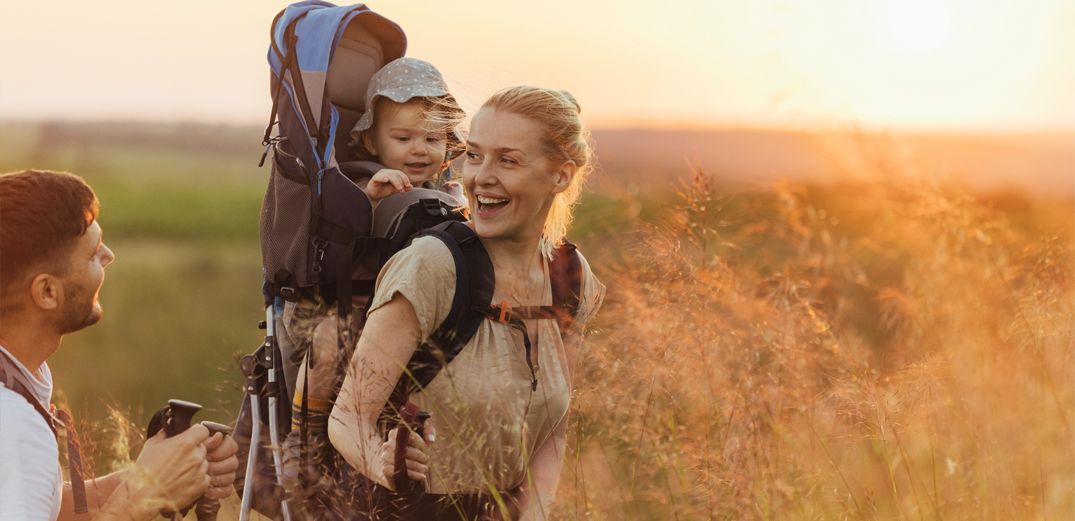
490	206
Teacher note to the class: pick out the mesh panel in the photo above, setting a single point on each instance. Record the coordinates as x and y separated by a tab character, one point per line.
285	226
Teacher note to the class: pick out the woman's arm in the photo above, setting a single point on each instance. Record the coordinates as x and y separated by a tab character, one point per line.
387	343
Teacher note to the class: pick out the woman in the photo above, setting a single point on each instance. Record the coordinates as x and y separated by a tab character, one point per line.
495	441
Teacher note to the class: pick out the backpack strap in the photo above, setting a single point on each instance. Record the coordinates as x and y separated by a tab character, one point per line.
474	281
565	270
54	420
472	302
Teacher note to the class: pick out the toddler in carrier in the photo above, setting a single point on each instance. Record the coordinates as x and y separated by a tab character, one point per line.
406	139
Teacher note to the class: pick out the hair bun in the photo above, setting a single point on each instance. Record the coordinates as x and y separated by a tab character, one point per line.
567	96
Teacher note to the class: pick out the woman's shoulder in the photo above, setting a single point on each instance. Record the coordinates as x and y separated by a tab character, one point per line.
428	252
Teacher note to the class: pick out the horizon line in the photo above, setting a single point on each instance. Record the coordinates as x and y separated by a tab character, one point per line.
642	126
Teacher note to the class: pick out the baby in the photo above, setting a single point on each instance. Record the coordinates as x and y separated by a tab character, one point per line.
407	138
409	129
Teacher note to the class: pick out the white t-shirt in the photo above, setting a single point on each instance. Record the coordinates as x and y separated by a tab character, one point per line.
31	484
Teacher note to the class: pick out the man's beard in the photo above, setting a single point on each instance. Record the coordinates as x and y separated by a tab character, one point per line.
79	310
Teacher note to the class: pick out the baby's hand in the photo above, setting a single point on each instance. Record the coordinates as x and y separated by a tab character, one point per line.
455	189
387	182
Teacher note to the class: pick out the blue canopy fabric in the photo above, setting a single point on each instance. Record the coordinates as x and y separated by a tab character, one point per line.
318	30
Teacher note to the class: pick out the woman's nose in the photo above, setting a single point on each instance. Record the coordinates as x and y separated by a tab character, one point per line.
485	174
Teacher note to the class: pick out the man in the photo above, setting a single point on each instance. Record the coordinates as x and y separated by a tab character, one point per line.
52	263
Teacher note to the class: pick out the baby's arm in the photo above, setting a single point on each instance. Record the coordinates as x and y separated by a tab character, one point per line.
387	182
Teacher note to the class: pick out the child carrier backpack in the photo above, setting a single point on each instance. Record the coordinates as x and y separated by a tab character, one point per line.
313	217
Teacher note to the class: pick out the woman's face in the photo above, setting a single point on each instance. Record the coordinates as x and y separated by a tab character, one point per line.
511	181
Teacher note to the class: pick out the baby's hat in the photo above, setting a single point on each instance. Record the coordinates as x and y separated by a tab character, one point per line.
400	81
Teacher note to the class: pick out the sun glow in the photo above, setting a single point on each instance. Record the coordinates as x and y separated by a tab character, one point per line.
950	64
913	26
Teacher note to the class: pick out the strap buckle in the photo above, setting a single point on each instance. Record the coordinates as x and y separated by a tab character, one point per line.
504	314
433	207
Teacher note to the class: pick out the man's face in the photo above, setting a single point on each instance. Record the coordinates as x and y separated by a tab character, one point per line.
82	283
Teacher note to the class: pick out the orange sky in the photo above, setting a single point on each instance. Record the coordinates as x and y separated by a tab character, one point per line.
924	64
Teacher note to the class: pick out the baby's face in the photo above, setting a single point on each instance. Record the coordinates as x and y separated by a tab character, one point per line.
401	140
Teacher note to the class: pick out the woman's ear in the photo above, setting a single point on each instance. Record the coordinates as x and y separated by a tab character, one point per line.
564	175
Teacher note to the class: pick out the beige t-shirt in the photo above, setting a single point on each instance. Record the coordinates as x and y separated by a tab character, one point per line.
488	420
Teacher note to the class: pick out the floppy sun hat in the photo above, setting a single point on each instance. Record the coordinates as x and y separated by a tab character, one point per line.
402	80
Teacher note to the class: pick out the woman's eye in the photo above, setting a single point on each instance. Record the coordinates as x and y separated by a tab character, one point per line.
472	156
508	161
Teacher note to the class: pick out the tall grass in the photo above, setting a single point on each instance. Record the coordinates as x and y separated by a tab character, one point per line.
887	349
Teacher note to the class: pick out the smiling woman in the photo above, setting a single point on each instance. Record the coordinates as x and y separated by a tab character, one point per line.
496	437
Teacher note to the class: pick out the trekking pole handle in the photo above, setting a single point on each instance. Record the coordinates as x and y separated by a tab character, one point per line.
411	419
174	419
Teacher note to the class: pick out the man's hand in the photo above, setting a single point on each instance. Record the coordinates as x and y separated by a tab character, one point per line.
220	454
172	472
387	182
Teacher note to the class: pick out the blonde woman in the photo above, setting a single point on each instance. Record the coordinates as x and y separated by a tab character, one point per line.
495	441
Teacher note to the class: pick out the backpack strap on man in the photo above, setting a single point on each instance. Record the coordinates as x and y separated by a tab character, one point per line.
59	418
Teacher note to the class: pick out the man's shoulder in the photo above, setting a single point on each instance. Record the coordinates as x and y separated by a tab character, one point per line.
18	417
24	433
30	483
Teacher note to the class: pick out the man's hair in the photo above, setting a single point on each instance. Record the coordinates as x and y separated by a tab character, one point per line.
42	216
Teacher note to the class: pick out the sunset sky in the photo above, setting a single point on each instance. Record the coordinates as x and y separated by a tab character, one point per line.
910	64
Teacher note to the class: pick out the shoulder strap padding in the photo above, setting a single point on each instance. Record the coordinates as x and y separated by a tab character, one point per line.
474	281
565	270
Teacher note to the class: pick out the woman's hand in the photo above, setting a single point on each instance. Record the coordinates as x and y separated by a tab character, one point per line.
417	455
387	182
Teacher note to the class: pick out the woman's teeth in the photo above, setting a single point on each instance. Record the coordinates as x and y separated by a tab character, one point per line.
491	201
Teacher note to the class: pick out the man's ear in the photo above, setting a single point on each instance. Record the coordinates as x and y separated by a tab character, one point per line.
368	143
46	291
564	175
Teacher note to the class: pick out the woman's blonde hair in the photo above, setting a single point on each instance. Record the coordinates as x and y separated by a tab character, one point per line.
564	138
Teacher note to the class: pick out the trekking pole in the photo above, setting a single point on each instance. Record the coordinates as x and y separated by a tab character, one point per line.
175	419
273	393
253	366
249	365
